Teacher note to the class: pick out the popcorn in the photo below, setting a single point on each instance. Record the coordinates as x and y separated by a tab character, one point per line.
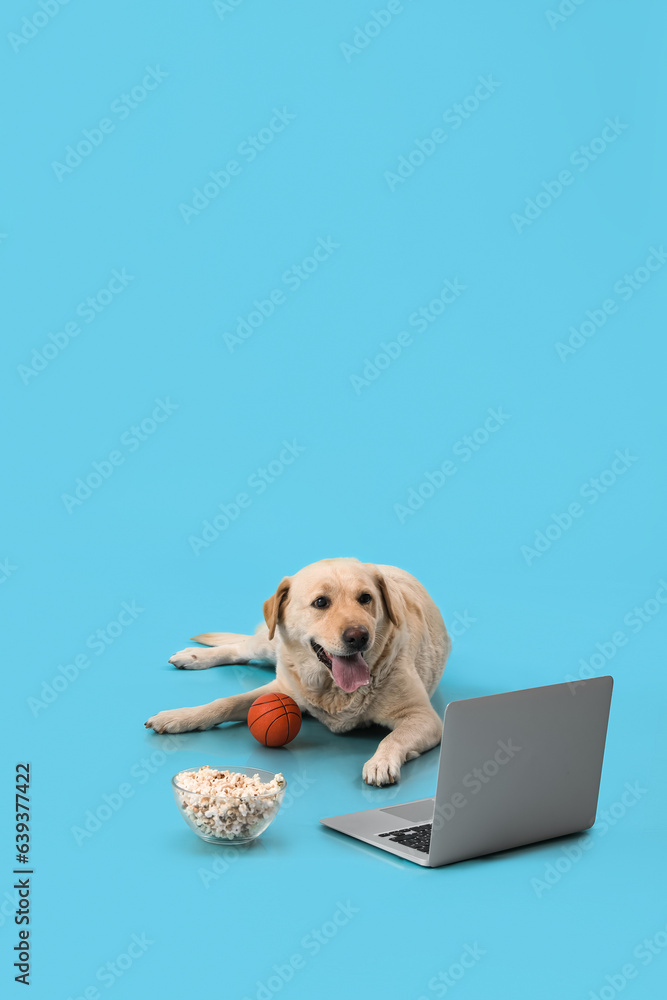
227	805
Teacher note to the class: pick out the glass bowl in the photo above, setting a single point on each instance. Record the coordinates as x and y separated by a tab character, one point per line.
235	816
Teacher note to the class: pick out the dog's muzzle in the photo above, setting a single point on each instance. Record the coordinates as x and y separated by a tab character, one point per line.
349	672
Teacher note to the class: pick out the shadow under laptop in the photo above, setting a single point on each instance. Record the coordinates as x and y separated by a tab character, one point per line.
539	847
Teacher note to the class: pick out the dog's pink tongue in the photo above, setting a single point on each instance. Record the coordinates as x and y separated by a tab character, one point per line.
350	672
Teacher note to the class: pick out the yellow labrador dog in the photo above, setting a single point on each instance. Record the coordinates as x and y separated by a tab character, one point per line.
353	643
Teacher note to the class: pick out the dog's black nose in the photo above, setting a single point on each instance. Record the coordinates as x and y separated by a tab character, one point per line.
356	637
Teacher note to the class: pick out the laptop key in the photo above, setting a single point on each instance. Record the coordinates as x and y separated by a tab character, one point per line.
416	837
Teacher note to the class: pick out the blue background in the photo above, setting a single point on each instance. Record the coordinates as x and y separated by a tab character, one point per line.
530	620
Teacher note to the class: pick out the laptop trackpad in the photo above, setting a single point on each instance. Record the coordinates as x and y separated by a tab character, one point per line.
419	811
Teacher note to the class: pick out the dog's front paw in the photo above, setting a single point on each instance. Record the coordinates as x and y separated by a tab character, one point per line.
381	770
177	720
192	658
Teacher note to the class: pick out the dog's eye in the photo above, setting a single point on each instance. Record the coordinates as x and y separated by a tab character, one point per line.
321	602
365	599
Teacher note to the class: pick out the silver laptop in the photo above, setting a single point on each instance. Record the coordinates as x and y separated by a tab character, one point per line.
514	769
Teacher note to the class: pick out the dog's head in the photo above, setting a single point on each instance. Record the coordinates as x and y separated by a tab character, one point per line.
337	610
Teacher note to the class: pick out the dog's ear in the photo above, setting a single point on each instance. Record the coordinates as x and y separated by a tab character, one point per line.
274	605
389	602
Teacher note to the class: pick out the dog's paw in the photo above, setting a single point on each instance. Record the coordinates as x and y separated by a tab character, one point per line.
192	658
380	770
177	720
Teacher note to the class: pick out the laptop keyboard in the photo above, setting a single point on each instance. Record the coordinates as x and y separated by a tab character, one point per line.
417	837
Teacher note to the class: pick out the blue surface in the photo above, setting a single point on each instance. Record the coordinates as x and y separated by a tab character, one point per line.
535	236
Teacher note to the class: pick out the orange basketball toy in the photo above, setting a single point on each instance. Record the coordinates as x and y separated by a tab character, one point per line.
274	719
